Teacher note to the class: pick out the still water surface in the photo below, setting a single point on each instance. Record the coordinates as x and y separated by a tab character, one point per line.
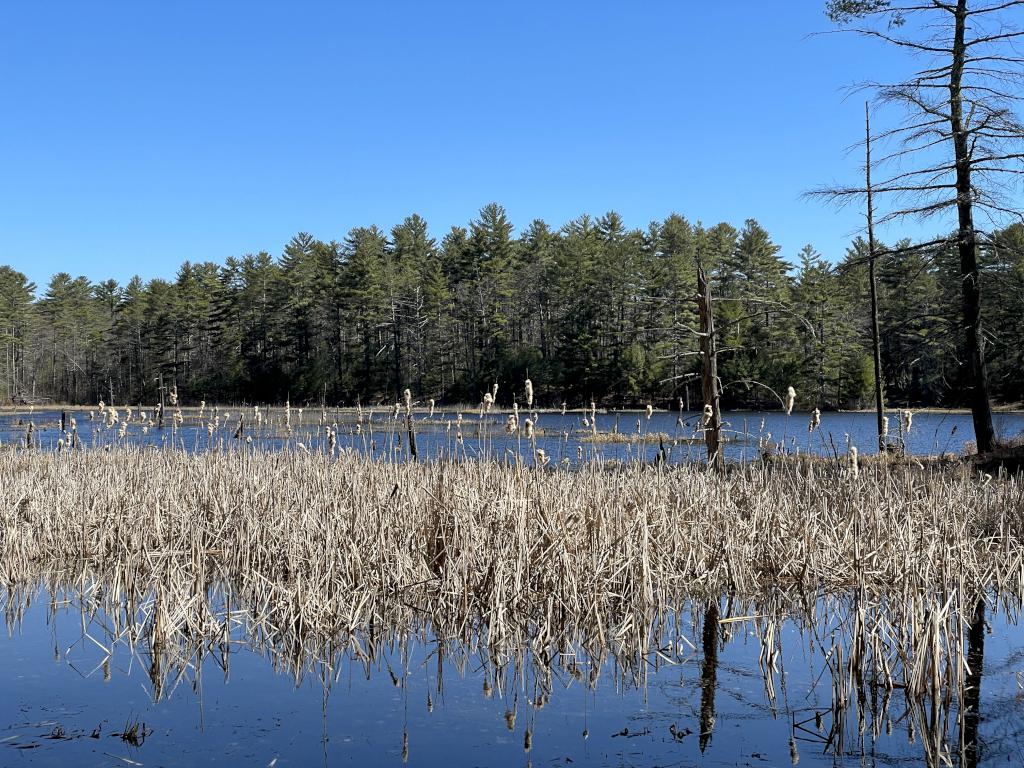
563	438
72	694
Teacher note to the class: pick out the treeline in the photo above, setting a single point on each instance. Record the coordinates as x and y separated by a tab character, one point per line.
589	310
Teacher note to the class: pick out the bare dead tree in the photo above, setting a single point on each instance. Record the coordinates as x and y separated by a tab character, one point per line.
709	372
876	342
959	145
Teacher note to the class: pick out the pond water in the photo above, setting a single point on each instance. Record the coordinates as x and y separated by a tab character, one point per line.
623	436
79	692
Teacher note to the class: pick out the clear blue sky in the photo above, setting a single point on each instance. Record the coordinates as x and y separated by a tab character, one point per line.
137	135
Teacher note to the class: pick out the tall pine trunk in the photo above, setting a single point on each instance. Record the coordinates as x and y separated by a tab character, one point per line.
967	244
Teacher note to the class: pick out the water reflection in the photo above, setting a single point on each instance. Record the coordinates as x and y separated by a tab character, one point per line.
708	673
838	676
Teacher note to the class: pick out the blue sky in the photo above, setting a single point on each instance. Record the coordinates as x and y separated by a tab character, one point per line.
138	135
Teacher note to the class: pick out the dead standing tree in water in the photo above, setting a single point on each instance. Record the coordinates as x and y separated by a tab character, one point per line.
712	420
960	142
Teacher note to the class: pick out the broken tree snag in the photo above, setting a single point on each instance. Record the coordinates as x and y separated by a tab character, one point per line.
709	372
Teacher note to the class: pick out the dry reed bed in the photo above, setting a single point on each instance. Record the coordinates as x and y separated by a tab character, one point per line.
311	558
342	543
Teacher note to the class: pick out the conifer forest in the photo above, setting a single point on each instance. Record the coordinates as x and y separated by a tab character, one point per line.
591	309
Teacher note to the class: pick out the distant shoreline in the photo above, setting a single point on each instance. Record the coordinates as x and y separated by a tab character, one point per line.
1011	408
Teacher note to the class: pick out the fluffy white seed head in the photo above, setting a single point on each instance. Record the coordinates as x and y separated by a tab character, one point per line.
815	420
790	400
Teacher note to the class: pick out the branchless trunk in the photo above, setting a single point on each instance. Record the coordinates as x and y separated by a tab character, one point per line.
967	244
876	345
709	357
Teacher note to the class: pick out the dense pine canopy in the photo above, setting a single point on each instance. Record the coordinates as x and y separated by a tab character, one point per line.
589	310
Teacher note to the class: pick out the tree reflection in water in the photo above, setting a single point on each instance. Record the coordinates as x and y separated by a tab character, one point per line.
871	652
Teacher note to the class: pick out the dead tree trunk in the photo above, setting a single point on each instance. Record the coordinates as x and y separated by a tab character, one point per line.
967	244
876	345
709	372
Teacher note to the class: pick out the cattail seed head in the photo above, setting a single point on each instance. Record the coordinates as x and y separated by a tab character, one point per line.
908	420
790	400
650	411
529	393
709	414
815	420
528	429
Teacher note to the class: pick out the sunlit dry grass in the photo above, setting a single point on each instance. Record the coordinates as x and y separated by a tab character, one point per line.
314	554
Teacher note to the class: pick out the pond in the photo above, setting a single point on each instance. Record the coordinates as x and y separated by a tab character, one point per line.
724	688
564	438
